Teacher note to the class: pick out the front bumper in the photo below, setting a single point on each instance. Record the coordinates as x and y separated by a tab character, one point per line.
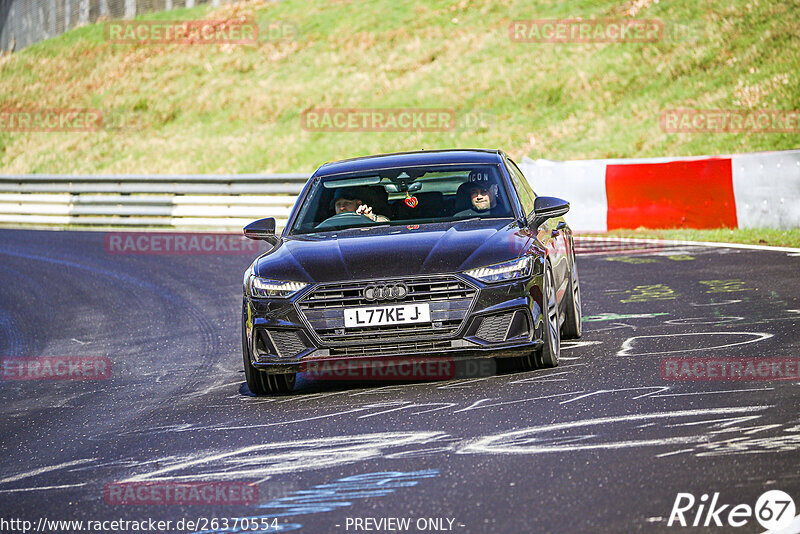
502	320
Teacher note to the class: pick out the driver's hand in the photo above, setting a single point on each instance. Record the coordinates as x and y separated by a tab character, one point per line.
366	211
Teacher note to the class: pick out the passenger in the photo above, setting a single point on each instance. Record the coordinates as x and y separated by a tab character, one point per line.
483	191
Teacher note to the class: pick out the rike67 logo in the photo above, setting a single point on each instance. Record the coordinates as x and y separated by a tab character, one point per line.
774	510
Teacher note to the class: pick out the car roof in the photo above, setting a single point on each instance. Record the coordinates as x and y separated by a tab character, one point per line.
410	159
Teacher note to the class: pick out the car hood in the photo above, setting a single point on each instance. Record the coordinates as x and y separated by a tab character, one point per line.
393	251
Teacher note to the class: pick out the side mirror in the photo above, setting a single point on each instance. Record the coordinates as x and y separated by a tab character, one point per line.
262	229
546	208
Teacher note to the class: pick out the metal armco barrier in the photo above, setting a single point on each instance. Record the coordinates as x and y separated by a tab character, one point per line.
189	201
759	190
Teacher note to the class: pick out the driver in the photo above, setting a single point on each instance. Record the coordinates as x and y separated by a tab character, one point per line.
351	200
483	190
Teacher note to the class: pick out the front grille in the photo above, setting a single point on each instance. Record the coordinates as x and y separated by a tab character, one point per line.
449	299
494	327
383	349
287	343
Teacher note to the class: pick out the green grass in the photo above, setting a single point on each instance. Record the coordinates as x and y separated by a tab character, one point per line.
235	109
761	236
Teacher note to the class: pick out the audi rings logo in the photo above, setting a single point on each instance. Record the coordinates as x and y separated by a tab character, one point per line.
386	292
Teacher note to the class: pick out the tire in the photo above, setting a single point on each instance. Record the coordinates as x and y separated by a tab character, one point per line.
548	355
571	328
259	382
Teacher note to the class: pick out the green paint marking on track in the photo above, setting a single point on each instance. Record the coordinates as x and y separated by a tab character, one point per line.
616	316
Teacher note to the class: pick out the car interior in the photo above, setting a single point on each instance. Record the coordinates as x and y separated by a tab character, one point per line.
438	195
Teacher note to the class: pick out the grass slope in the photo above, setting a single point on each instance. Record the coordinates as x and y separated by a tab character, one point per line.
234	109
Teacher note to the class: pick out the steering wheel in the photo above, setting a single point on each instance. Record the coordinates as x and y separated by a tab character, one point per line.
346	218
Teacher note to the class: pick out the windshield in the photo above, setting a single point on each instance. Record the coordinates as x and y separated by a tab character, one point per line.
413	195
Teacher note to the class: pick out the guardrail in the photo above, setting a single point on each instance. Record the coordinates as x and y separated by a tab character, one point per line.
189	201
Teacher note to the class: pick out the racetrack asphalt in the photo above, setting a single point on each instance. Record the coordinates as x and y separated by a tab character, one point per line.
602	443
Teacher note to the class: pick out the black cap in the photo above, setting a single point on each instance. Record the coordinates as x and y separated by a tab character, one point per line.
481	178
349	193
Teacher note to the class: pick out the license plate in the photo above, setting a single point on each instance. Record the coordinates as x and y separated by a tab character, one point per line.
387	315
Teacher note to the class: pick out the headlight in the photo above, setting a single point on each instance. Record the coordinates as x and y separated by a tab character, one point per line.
499	272
264	287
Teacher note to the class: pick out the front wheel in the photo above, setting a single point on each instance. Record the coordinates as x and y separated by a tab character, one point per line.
548	355
259	382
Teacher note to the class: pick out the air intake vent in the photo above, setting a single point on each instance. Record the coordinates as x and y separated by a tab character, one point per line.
287	343
494	328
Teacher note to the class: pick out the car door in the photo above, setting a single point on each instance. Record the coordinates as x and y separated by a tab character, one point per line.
552	233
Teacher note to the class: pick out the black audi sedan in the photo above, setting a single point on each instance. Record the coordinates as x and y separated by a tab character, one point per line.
417	254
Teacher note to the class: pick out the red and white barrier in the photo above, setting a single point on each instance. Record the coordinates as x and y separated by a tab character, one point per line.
760	190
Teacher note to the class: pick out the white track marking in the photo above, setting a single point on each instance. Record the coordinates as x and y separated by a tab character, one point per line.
713	392
517	401
464	383
705	320
280	423
721	423
442	406
627	344
475	404
574	344
43	488
41	470
614	326
733	301
681	451
539	378
527	440
658	389
263	460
